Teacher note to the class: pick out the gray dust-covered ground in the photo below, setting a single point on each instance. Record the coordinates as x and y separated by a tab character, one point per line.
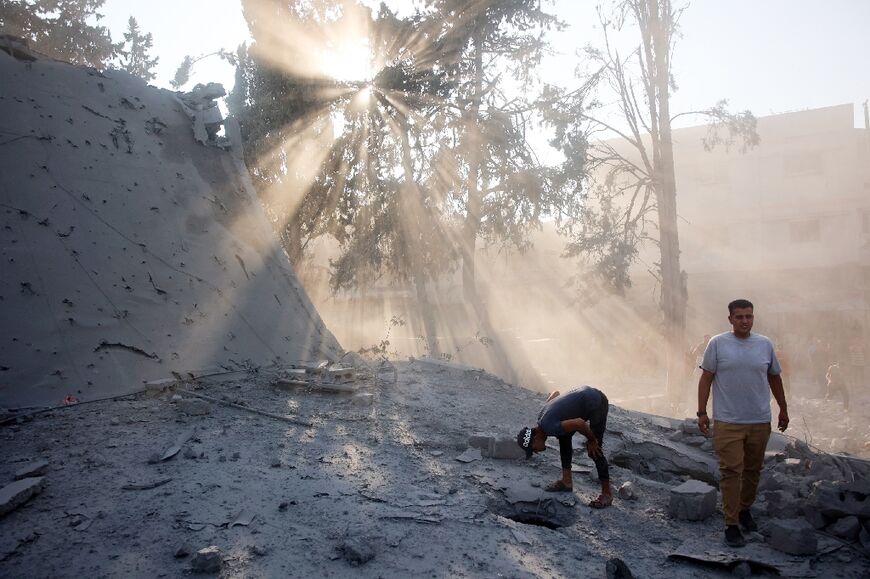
371	488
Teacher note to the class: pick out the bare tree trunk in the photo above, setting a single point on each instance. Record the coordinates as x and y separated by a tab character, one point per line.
674	298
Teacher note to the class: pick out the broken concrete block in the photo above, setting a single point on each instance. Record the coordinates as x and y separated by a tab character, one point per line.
356	551
690	426
846	528
194	406
31	469
793	536
16	494
506	448
864	539
617	569
207	560
491	447
626	491
816	519
692	501
341	375
839	499
470	455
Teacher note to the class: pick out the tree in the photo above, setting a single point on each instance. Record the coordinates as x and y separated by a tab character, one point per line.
61	29
367	190
133	55
636	185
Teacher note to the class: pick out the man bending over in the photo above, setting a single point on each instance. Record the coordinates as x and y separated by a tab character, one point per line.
582	410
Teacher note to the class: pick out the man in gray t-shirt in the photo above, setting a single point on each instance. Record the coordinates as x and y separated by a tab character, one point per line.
742	370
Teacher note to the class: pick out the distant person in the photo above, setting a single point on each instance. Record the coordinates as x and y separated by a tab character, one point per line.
582	410
836	384
740	367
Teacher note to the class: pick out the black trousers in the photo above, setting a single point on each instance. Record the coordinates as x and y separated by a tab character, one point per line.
598	424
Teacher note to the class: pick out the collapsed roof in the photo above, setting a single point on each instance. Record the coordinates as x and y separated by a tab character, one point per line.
131	248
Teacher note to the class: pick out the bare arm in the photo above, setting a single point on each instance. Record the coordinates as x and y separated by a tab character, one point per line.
775	381
705	382
593	445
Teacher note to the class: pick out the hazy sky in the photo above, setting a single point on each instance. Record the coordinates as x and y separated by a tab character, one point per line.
768	56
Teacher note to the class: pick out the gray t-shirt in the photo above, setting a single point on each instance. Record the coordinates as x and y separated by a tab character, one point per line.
741	392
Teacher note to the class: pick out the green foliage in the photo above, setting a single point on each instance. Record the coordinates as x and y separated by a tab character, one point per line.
61	29
133	55
182	74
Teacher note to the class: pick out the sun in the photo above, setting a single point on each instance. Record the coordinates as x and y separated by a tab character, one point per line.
349	62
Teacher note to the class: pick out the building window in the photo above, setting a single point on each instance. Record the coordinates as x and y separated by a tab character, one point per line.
804	231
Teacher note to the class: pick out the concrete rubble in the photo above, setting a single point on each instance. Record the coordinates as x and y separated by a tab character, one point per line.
692	501
793	536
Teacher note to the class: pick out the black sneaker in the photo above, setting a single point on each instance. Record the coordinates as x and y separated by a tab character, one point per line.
747	522
733	536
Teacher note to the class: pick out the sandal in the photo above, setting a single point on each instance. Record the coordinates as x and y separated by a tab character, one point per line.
558	487
601	502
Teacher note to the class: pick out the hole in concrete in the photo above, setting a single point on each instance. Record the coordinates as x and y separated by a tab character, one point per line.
537	520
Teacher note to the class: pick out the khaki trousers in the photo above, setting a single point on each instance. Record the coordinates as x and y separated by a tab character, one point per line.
740	448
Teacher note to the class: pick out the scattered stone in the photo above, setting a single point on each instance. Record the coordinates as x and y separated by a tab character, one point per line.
207	560
695	440
31	469
690	426
189	453
222	458
356	551
617	569
183	550
283	506
114	421
258	551
814	517
176	397
363	399
840	499
793	536
864	539
275	462
742	569
16	494
707	446
846	528
470	455
194	406
626	491
692	501
236	456
153	458
436	453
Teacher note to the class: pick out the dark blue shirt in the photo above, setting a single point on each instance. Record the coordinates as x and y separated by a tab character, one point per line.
583	402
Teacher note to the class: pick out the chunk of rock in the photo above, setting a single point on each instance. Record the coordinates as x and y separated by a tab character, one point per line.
840	499
183	550
814	517
626	491
617	569
846	528
496	447
16	494
207	560
793	536
690	426
31	469
692	501
356	551
742	569
194	406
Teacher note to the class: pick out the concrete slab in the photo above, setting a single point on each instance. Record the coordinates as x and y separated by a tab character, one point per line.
16	494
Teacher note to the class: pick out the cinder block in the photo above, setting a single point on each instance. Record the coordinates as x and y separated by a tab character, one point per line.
793	536
692	501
